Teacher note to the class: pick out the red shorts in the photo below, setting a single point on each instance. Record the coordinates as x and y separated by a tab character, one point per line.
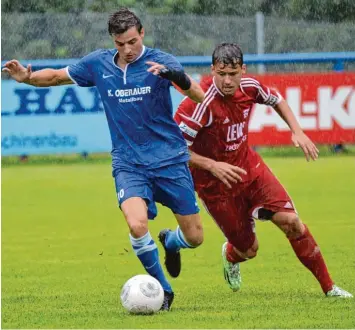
235	215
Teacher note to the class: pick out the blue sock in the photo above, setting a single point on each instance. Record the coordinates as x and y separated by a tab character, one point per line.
147	252
175	240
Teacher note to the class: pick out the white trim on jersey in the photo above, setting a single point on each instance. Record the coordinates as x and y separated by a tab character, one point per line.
190	119
242	89
123	70
260	91
269	98
201	107
215	86
209	99
252	82
209	120
248	82
70	77
280	98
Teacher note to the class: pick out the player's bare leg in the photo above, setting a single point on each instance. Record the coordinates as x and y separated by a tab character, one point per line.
232	258
307	251
189	234
191	227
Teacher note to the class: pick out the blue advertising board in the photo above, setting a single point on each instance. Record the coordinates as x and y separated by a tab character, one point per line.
63	119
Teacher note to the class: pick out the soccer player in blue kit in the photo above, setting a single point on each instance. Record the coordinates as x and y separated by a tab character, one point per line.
149	153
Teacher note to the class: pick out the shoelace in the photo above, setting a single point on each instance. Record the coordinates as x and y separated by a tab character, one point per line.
165	302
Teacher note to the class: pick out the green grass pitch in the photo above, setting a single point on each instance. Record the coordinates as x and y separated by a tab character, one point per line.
66	254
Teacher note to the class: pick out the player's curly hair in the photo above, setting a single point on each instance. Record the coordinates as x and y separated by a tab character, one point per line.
122	20
227	54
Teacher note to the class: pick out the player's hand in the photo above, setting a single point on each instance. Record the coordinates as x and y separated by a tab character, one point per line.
301	140
227	173
17	71
155	68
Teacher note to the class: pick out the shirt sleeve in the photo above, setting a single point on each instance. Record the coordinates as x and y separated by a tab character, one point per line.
191	118
261	93
81	72
170	61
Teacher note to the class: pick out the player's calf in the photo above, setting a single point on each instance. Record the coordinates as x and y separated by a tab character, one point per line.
235	255
147	252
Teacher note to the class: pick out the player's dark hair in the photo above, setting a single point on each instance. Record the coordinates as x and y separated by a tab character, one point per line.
122	20
227	54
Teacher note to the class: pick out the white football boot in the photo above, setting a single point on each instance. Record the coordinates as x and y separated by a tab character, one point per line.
338	292
231	271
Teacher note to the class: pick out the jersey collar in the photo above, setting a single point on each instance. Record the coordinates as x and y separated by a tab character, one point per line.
140	55
220	93
215	86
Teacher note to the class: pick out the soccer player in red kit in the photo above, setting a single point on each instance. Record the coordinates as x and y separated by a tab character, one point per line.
231	179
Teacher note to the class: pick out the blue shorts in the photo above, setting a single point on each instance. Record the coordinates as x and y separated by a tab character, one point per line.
171	186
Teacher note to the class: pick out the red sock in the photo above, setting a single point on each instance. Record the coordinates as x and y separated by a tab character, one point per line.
232	256
310	256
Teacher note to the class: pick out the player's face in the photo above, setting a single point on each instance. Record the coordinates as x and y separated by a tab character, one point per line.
129	44
227	78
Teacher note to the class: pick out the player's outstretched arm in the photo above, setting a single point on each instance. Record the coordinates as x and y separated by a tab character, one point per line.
41	78
299	139
225	172
195	92
180	79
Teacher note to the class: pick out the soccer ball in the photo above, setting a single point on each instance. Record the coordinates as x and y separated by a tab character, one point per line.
142	294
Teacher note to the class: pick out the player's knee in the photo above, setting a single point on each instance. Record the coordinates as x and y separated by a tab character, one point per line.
194	235
191	226
252	252
138	227
249	254
294	227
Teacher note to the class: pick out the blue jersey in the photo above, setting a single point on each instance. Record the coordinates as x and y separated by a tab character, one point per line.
138	107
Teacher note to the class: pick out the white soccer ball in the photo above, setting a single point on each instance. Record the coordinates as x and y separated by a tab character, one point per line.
142	294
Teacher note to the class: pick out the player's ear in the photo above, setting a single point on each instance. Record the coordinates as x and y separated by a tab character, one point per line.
244	69
212	69
142	33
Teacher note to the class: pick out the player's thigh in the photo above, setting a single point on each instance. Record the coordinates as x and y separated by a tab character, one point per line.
268	196
135	184
231	216
135	212
174	188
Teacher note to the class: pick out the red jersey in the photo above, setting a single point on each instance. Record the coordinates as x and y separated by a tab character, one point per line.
217	128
